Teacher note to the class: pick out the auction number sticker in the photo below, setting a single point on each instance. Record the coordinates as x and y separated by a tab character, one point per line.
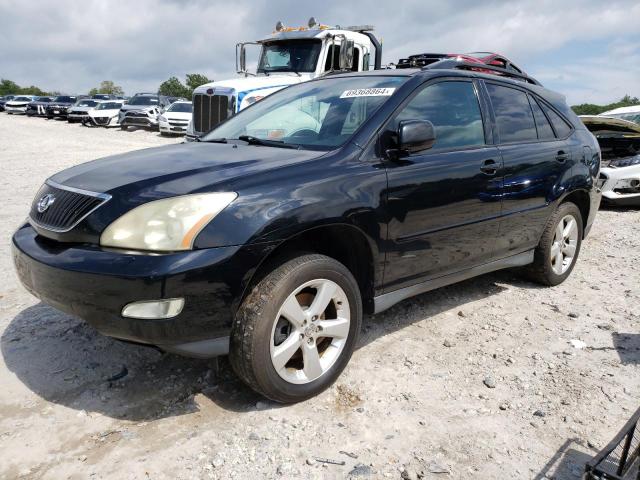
368	92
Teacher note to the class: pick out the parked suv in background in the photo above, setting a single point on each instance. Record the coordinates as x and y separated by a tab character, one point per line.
59	106
143	110
271	236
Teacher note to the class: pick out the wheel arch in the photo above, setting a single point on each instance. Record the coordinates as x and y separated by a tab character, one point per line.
582	200
343	242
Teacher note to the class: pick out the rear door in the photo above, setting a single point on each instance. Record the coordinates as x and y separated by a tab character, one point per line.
536	161
443	203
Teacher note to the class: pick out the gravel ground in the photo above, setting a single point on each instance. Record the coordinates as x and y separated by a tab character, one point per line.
476	380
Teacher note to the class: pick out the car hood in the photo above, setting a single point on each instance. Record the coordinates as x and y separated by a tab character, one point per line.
127	107
94	112
179	169
13	103
177	115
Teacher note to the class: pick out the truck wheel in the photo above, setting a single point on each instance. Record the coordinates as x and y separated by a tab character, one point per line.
558	250
124	127
295	332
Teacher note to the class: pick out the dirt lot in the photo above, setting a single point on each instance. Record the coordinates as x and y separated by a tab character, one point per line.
477	380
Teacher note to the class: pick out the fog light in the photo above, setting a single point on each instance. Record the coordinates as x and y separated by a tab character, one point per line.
154	309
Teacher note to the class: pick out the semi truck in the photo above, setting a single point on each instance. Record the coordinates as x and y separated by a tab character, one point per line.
289	55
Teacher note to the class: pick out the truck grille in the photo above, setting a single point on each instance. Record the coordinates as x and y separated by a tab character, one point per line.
68	208
209	111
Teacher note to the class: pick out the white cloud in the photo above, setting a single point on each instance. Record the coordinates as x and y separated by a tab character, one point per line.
71	46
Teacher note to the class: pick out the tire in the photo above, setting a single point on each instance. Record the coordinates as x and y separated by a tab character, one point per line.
260	327
124	128
545	268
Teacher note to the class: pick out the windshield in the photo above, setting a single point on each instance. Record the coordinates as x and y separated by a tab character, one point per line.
43	99
298	56
86	103
108	106
631	117
23	99
64	99
180	107
144	100
318	115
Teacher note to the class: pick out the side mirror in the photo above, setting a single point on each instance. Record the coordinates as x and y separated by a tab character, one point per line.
346	54
241	58
416	135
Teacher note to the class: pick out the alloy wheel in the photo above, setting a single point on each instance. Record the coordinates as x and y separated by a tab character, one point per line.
565	244
310	331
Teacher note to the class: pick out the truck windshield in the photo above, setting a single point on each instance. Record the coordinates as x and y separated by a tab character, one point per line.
316	115
291	56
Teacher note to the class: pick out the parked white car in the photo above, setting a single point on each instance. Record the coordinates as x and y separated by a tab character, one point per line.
175	118
105	114
80	111
624	113
19	104
620	145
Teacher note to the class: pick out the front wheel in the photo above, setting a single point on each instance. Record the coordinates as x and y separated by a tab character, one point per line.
295	332
559	246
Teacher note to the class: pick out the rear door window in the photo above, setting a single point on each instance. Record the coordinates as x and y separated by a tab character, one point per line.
514	117
545	132
453	109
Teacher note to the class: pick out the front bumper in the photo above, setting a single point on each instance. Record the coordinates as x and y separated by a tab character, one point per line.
172	127
95	284
57	111
621	185
145	122
15	109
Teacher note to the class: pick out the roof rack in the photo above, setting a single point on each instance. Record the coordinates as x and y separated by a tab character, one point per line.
461	65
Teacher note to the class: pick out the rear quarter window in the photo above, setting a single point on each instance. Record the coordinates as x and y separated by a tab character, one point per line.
562	128
514	117
545	132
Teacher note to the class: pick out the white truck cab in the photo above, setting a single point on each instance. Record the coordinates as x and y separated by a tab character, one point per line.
289	55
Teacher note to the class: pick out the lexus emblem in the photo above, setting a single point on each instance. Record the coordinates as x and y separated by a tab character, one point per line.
45	202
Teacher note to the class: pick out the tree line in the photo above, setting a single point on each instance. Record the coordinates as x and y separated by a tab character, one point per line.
593	109
172	87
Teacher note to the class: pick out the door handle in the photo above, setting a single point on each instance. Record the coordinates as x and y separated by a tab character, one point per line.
562	156
489	167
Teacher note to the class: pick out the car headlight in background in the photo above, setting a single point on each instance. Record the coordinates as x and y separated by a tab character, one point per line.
166	225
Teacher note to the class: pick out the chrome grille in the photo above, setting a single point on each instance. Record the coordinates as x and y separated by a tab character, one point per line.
69	207
209	111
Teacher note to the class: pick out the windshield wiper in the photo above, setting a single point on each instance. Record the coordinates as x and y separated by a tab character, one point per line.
251	140
213	140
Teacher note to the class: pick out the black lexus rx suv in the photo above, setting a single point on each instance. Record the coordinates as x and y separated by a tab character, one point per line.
271	236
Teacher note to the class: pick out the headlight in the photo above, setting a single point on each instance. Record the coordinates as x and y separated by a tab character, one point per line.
162	118
166	225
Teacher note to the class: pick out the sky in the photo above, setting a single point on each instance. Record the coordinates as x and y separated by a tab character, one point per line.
587	50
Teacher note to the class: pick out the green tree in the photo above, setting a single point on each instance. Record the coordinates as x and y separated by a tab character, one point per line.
173	88
593	109
109	87
7	87
194	80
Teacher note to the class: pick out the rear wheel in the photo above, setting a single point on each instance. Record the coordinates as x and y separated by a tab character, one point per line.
558	250
295	332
